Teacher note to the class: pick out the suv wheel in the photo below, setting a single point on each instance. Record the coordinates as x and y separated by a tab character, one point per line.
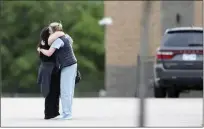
159	91
173	92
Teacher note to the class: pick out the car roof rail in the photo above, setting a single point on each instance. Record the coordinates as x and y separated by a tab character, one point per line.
183	29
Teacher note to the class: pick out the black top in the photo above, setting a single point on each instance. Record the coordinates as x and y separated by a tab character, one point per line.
47	65
44	35
45	58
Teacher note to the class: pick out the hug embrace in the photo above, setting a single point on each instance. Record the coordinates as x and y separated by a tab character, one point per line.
58	72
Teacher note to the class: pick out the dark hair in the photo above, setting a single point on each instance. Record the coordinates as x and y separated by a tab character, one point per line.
44	35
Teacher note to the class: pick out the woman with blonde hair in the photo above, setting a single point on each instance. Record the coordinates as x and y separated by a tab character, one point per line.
66	60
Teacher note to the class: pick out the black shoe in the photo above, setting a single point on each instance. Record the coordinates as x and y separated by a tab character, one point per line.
51	116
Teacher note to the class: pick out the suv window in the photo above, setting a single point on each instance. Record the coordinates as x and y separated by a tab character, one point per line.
183	38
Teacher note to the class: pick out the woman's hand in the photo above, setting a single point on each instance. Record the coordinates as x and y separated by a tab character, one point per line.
38	49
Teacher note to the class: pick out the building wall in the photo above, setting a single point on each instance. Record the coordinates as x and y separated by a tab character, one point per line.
122	39
198	13
169	10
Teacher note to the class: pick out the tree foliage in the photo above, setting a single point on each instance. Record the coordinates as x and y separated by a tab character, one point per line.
21	23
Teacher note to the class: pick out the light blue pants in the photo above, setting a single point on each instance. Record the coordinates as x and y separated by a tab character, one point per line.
67	85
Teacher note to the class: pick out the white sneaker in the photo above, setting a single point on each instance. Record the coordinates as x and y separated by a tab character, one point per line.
66	117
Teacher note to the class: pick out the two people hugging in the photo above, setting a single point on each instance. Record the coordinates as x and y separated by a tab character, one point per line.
58	72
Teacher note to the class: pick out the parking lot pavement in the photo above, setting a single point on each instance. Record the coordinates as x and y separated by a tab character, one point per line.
104	112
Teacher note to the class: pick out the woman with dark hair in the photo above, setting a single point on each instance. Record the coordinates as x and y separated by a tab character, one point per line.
49	78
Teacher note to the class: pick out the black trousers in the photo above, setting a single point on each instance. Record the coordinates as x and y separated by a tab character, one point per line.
52	100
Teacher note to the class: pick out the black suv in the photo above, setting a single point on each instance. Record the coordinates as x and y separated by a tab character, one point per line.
179	62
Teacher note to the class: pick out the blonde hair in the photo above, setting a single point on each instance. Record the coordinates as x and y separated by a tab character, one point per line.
56	26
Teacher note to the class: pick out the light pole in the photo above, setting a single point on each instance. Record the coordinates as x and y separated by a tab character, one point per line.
143	60
105	21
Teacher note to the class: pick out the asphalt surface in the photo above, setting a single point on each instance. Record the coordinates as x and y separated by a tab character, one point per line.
105	112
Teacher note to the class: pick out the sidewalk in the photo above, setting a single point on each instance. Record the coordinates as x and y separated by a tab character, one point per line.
104	112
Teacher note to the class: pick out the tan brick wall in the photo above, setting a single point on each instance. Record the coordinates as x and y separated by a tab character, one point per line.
198	13
122	38
155	27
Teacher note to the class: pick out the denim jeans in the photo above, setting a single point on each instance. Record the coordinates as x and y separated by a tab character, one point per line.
67	85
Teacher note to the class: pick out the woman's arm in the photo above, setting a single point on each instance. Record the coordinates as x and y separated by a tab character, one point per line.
54	36
47	52
55	45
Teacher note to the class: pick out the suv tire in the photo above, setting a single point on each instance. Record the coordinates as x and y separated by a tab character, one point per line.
159	91
173	92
